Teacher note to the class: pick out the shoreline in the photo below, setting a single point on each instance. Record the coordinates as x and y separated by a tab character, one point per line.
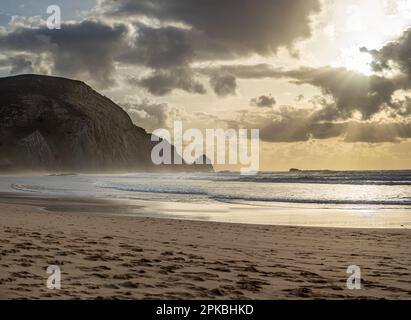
120	257
281	214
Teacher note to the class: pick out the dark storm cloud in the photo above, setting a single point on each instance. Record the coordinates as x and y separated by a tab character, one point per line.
223	84
76	49
241	26
162	82
199	30
186	31
160	48
263	101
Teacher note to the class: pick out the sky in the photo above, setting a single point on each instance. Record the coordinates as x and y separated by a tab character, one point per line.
327	82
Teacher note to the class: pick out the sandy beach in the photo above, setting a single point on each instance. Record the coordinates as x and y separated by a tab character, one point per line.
119	257
205	150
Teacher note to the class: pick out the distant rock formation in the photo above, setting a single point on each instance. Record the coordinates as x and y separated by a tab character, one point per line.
202	160
294	170
57	124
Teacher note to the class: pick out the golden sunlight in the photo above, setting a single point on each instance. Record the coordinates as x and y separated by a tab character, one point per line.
370	24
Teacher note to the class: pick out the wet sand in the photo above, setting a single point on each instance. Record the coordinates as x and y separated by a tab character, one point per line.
120	257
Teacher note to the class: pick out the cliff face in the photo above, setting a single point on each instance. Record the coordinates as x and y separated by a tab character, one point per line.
49	123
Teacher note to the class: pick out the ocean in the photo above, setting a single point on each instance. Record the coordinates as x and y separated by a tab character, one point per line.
225	196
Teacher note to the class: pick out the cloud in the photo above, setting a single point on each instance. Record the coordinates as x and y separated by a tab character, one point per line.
394	55
171	38
159	48
18	64
297	129
378	132
238	26
345	93
403	108
173	34
256	71
166	36
77	49
148	115
263	101
287	124
351	91
162	82
223	84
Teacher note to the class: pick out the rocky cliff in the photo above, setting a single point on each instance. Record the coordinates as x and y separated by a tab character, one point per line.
56	124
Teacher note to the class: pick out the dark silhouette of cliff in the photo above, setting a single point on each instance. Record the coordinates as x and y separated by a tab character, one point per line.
57	124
